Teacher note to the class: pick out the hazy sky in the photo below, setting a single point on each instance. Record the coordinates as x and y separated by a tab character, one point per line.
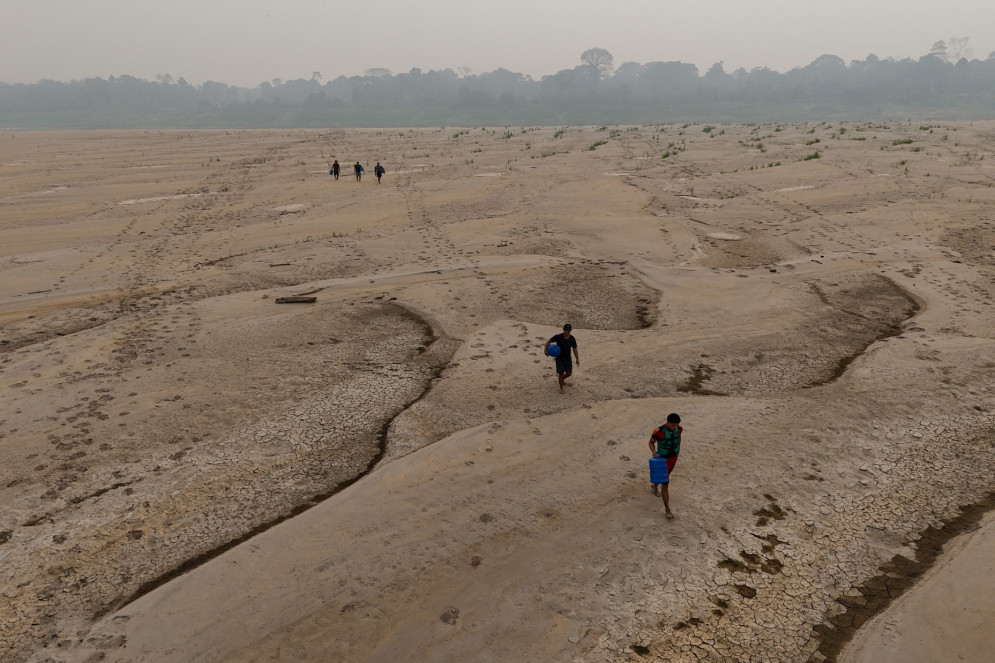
246	42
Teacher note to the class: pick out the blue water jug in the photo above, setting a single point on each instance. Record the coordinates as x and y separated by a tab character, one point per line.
658	470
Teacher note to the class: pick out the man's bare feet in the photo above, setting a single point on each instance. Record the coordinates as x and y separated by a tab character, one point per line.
562	390
670	515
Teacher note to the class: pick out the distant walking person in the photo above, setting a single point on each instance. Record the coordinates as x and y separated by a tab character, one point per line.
566	343
359	171
379	171
665	442
335	169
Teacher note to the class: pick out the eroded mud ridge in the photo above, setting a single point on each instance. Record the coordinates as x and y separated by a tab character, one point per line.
863	313
896	577
856	313
315	391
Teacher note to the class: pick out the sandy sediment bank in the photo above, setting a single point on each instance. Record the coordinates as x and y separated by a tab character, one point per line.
822	325
945	614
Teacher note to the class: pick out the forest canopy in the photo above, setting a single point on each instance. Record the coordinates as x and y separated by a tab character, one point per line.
939	85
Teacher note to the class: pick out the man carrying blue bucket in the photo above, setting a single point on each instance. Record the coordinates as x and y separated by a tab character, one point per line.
665	443
562	345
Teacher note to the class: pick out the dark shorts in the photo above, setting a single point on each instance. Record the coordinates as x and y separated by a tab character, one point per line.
564	365
670	464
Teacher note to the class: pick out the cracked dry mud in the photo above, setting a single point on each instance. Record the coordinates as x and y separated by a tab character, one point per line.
192	472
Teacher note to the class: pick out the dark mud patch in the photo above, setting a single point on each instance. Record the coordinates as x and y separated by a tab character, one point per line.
974	243
844	319
751	250
589	295
896	577
772	511
863	313
751	563
734	566
46	326
700	374
759	562
431	338
770	542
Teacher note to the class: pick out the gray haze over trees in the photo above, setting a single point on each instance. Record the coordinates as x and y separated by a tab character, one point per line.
942	84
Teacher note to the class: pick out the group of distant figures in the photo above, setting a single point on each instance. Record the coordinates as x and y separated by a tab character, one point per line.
378	170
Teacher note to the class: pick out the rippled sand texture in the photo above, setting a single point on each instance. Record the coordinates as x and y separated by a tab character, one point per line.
193	472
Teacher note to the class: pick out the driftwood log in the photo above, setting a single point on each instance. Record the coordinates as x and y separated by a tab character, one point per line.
297	299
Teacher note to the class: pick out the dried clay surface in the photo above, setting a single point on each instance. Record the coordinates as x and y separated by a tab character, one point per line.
190	471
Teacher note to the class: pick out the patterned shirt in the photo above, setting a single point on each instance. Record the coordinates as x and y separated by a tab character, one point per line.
668	442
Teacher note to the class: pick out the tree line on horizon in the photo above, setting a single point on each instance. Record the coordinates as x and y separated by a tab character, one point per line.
943	84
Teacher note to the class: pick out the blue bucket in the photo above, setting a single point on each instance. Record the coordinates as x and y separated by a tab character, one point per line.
658	470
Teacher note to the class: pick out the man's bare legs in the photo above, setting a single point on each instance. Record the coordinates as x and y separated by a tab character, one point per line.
562	377
665	493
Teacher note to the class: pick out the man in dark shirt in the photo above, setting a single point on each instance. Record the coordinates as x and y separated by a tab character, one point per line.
566	343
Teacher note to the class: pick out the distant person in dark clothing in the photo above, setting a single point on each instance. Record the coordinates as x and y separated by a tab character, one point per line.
359	171
566	343
379	171
335	169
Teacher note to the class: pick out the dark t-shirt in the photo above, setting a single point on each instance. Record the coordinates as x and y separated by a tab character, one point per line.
565	344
